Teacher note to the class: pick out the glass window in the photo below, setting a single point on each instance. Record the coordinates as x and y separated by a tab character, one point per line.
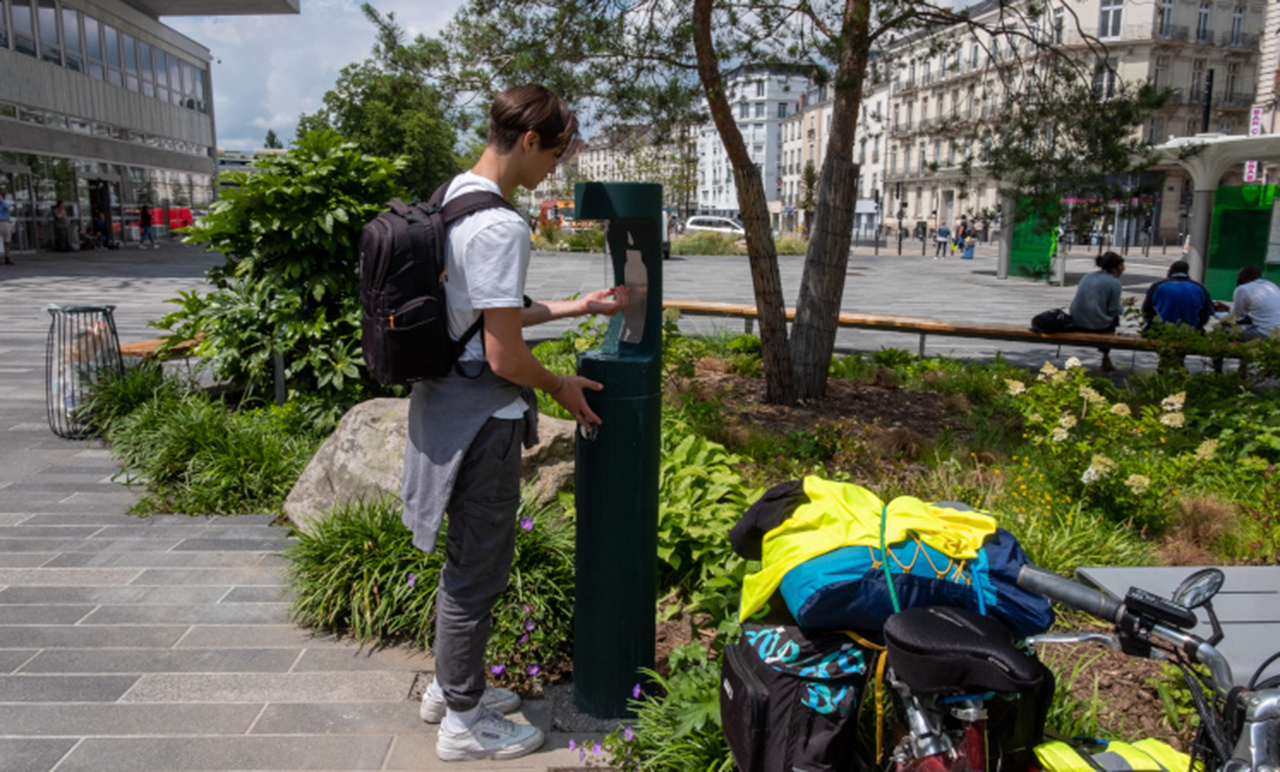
1166	18
162	75
1237	25
1059	25
1109	19
130	51
24	31
760	106
145	69
72	49
111	45
175	80
1202	25
201	105
47	21
93	47
4	26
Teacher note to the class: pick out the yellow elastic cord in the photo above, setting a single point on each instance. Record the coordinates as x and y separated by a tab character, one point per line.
878	685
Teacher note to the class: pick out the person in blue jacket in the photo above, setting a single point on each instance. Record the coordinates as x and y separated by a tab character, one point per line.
1177	299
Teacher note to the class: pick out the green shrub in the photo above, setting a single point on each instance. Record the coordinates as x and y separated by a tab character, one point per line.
111	398
791	245
197	456
290	283
585	241
358	572
678	729
705	243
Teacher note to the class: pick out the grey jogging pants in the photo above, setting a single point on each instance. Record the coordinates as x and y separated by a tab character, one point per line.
479	547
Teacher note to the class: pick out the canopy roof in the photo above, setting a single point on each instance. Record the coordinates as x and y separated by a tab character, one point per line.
158	8
1208	156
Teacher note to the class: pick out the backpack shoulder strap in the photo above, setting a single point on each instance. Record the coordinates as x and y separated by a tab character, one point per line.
470	203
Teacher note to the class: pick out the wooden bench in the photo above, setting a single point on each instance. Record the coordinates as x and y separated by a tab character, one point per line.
927	327
149	349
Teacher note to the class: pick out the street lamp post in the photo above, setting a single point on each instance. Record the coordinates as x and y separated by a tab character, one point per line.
902	211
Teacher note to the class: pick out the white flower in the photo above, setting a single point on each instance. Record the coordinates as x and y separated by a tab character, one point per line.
1121	409
1137	483
1091	396
1015	387
1206	450
1047	371
1100	466
1173	402
1173	420
1059	434
1072	362
1067	421
1090	475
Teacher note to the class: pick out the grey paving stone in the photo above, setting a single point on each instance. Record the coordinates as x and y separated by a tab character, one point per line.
265	544
20	754
208	613
64	688
154	559
25	531
257	636
397	658
271	687
110	754
197	576
340	718
101	519
168	528
96	595
69	577
79	720
107	637
12	659
13	518
257	594
25	559
87	545
418	752
140	660
30	614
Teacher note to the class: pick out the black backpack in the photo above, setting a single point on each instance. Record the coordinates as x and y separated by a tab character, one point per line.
405	321
1055	320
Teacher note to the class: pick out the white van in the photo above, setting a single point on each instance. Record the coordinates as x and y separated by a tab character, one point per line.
724	225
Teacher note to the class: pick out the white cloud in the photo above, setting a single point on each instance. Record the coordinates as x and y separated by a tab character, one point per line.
268	70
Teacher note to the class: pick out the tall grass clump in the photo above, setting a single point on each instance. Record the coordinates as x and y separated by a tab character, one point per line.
705	243
357	572
197	456
113	397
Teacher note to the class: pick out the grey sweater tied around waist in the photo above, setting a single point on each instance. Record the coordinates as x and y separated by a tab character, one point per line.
445	414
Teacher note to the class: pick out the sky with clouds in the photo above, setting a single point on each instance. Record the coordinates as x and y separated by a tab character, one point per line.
268	70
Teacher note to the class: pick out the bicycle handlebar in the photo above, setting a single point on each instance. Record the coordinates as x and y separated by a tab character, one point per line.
1069	593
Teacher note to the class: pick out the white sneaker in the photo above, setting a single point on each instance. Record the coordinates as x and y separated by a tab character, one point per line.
491	737
433	707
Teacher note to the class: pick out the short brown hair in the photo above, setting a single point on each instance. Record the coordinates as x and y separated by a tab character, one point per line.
531	107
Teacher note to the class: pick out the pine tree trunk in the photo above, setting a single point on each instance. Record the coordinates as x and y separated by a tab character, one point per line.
761	251
827	260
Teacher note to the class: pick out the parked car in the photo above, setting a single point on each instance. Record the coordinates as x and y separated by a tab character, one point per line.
724	225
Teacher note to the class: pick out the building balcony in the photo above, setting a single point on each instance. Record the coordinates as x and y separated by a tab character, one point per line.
1203	37
1239	40
1173	33
1239	100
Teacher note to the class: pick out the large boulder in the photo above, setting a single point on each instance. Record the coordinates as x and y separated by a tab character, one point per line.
363	459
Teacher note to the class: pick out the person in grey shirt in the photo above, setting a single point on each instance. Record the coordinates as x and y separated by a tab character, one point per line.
1096	306
1255	304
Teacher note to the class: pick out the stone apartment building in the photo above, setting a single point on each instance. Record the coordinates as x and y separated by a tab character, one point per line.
804	140
1203	50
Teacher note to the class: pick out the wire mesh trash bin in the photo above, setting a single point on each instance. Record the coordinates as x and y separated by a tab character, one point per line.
83	347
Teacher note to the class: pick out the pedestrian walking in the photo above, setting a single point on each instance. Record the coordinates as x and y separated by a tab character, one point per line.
144	221
942	240
6	227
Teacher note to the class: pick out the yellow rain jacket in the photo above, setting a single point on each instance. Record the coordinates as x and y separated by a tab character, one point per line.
844	515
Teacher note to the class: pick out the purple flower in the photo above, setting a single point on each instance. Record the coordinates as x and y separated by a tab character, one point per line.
413	579
497	669
596	749
526	523
572	745
527	608
534	670
627	733
530	626
582	755
636	692
524	638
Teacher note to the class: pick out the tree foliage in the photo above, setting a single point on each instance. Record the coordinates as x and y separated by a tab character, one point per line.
290	282
671	64
389	112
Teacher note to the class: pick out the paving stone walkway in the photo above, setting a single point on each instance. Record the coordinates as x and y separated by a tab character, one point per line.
164	643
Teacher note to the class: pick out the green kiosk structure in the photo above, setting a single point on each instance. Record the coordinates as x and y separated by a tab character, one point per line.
617	465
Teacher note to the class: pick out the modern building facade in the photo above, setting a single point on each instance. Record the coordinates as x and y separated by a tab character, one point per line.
105	109
761	99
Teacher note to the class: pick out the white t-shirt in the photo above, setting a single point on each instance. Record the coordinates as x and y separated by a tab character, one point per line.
1260	301
486	260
